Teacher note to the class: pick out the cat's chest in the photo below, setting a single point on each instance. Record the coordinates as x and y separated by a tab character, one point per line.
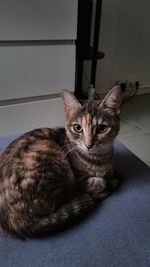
87	169
93	170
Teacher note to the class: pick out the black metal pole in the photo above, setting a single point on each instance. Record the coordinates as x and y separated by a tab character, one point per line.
96	40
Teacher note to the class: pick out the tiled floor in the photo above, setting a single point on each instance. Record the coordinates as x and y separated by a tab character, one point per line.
135	126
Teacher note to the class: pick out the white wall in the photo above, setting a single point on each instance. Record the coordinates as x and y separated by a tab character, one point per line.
28	71
125	39
37	60
38	19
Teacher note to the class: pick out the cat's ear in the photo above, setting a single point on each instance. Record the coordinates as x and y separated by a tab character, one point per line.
71	104
113	99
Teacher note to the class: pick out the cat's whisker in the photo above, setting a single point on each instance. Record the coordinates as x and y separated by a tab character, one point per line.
66	146
69	151
63	149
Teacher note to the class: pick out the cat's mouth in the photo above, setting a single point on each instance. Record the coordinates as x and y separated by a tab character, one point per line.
86	150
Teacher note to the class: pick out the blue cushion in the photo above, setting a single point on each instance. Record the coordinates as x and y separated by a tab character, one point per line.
116	234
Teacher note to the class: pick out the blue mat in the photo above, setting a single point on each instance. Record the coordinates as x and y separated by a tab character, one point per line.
116	234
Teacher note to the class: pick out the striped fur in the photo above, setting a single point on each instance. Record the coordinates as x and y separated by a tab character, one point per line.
48	177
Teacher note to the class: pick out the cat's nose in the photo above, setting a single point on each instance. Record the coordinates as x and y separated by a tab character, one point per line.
89	146
88	142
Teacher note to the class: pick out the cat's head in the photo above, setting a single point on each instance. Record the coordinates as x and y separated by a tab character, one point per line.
95	123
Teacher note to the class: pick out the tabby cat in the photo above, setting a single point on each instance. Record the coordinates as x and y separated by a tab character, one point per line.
48	177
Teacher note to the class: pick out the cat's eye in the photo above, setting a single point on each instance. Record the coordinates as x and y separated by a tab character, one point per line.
102	128
77	128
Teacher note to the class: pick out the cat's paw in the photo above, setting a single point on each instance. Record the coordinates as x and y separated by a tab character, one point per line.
96	185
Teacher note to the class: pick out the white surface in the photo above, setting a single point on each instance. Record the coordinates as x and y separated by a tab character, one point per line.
38	19
27	71
25	117
135	126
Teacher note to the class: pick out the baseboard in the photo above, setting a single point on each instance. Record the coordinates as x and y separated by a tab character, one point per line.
23	117
144	89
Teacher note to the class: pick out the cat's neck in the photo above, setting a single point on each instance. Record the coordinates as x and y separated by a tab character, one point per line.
102	155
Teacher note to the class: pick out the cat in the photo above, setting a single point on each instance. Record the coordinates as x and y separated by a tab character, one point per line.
48	177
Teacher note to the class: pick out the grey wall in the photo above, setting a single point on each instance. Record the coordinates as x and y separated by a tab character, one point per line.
125	39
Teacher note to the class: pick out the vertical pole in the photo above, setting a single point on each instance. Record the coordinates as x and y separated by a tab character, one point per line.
96	40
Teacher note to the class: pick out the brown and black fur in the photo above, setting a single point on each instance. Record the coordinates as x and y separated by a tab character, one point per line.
50	176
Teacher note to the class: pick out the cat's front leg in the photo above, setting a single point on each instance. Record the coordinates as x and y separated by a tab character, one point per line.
96	185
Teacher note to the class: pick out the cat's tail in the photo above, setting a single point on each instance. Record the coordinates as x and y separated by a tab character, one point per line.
63	217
